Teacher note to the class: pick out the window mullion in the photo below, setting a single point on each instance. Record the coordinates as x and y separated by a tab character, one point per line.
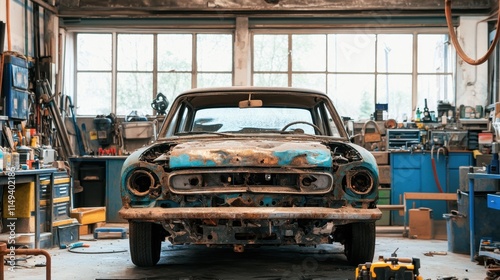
290	50
194	57
155	67
414	86
114	55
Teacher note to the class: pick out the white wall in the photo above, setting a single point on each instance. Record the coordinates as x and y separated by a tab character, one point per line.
472	81
17	25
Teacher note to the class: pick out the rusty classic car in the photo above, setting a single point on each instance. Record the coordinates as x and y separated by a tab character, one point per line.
251	166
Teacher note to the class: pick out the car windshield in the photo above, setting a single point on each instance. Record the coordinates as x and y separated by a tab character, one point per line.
233	113
251	120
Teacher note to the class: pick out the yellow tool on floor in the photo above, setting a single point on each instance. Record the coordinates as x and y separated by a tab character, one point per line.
390	268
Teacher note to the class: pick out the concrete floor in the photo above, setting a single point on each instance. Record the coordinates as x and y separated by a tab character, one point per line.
109	259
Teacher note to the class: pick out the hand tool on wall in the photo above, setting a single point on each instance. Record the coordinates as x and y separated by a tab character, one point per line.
43	87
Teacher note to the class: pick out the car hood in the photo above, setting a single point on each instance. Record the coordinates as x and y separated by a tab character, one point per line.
256	153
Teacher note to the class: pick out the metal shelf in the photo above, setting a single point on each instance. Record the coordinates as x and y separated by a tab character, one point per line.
489	243
472	177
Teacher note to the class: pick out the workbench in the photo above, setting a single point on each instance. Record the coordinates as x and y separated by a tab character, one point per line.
112	194
28	176
413	172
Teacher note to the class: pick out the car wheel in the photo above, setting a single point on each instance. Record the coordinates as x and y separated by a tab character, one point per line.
360	244
145	243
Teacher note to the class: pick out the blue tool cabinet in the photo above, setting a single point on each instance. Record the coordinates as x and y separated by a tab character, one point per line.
413	172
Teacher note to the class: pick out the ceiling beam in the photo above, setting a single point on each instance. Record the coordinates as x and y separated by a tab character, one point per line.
102	8
46	6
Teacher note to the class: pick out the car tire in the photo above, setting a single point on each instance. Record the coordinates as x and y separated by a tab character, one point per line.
360	244
145	243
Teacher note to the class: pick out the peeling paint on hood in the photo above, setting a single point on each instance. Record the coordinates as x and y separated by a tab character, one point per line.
256	153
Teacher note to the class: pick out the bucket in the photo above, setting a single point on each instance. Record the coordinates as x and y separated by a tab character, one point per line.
457	230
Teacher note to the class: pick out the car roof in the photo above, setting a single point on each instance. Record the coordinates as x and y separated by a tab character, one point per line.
252	89
272	96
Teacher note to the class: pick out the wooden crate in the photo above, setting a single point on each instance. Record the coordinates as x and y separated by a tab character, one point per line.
89	215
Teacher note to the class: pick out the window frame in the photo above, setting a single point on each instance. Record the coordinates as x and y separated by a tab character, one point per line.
376	73
114	53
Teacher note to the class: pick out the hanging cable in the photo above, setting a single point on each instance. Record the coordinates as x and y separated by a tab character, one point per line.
456	44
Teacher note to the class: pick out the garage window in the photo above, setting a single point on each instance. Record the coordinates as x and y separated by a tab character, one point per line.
125	71
94	73
358	71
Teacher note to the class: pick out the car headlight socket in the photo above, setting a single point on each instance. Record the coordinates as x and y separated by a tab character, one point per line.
140	182
360	181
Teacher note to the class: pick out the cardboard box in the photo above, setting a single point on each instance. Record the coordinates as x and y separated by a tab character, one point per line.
421	225
384	172
382	158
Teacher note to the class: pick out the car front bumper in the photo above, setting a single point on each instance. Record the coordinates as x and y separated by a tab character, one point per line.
342	215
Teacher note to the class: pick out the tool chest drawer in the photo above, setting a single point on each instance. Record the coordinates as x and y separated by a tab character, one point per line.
44	189
61	185
494	201
61	190
61	211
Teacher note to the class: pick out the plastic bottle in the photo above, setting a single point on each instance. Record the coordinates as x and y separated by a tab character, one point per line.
418	113
1	158
7	160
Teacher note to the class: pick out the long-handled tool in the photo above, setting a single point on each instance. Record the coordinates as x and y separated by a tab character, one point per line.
43	87
86	140
79	140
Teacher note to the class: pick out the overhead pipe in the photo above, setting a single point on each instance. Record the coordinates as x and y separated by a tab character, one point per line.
9	37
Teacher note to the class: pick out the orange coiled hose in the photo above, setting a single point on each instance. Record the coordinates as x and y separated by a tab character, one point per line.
456	44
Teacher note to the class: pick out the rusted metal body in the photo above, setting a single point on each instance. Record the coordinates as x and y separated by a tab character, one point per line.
340	216
4	251
254	185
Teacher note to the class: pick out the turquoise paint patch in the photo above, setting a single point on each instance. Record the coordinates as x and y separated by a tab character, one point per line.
320	158
184	161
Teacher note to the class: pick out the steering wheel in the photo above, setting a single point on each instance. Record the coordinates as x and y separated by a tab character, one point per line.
303	122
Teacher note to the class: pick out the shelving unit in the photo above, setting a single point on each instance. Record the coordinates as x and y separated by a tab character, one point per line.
494	197
28	176
486	245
